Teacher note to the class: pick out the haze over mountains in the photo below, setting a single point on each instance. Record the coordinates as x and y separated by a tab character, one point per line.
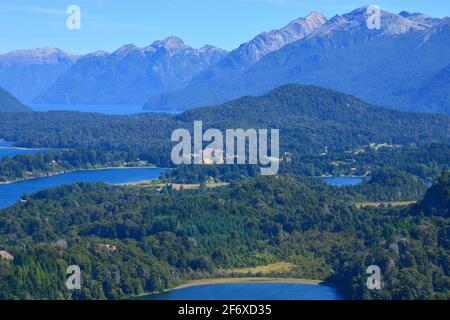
130	75
8	103
27	73
403	65
386	66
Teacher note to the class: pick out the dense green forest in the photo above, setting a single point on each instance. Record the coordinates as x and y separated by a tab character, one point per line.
147	135
385	184
358	137
310	116
157	240
425	162
309	119
131	240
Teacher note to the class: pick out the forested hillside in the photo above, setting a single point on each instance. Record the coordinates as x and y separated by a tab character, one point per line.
386	184
312	116
8	103
358	137
146	133
130	240
309	119
130	74
437	199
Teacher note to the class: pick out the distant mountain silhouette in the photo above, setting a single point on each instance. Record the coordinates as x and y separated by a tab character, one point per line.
27	73
8	103
130	75
385	66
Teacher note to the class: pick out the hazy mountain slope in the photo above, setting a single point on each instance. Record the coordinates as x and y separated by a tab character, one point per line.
130	74
10	104
266	42
243	58
378	66
27	73
435	94
384	66
419	17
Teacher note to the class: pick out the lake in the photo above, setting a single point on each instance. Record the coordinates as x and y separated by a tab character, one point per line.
250	291
11	193
96	108
4	143
6	150
11	152
343	181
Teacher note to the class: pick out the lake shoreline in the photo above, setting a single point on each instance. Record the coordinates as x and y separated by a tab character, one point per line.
213	281
200	282
350	176
31	149
53	174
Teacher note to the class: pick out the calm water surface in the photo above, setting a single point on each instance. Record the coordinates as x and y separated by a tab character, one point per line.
343	181
250	291
6	150
11	193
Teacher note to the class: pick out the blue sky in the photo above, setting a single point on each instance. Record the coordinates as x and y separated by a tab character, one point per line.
108	24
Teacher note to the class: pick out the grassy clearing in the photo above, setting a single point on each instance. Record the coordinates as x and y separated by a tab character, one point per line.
362	205
277	267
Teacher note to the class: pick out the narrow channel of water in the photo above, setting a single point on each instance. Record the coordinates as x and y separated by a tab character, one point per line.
11	193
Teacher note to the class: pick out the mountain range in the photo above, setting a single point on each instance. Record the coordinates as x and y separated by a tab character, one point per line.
130	75
403	65
27	73
420	18
252	51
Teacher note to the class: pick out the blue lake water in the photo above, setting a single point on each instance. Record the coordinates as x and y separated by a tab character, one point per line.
4	143
6	150
11	193
343	181
96	108
11	152
250	291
